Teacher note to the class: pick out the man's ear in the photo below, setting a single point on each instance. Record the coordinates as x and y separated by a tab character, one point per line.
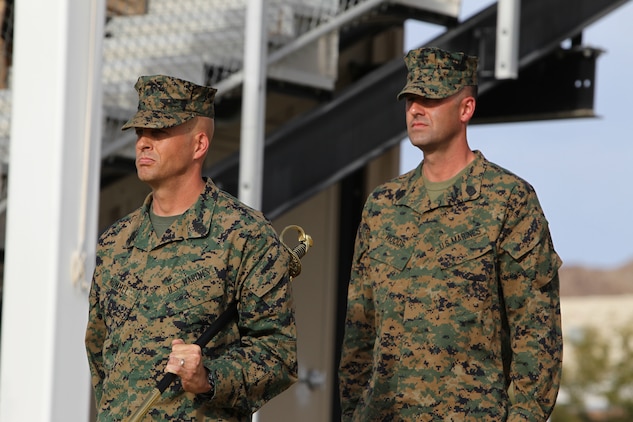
468	108
202	145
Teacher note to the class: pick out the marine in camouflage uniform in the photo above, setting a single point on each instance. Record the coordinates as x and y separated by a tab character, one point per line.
148	289
453	302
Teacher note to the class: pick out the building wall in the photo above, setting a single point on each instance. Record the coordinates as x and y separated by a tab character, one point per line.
607	313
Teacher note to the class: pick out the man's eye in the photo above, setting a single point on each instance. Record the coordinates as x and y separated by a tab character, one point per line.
157	133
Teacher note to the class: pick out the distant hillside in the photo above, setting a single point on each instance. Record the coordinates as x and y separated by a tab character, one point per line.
582	281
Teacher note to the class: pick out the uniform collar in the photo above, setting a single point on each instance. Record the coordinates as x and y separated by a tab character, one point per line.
193	223
466	189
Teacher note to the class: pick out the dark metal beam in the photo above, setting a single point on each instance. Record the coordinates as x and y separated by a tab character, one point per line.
558	86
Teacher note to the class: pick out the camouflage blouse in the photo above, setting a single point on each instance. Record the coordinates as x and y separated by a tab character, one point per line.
451	300
147	291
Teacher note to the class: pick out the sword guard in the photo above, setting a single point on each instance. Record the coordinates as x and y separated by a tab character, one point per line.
299	251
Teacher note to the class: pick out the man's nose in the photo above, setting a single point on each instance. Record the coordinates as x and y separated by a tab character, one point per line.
142	142
416	108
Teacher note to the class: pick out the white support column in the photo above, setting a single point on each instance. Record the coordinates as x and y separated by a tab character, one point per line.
253	105
253	108
52	209
508	29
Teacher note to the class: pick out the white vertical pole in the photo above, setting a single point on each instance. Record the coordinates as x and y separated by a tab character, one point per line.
253	105
508	29
52	209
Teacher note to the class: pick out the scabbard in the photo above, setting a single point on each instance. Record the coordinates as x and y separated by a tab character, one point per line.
145	406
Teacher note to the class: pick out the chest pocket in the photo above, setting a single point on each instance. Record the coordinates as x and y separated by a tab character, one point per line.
468	276
118	303
391	250
468	264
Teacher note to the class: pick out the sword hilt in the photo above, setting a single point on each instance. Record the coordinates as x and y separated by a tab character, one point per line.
299	251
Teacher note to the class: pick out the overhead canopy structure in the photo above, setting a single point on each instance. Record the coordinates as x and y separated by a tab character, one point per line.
346	132
313	94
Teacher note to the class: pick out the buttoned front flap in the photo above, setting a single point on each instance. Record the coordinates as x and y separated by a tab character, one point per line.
463	247
192	290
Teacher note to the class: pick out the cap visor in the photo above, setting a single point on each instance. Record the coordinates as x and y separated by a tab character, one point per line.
152	119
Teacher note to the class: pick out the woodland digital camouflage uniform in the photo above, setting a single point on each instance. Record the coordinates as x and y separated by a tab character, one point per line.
147	291
431	284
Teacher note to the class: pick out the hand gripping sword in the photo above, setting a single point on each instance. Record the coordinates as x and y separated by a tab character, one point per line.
230	313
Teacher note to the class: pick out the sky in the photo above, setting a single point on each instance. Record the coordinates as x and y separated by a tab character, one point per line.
582	169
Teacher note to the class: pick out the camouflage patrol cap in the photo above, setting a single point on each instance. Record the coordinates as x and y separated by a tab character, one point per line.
165	101
435	73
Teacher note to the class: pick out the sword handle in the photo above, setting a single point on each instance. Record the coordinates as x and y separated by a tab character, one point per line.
299	251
